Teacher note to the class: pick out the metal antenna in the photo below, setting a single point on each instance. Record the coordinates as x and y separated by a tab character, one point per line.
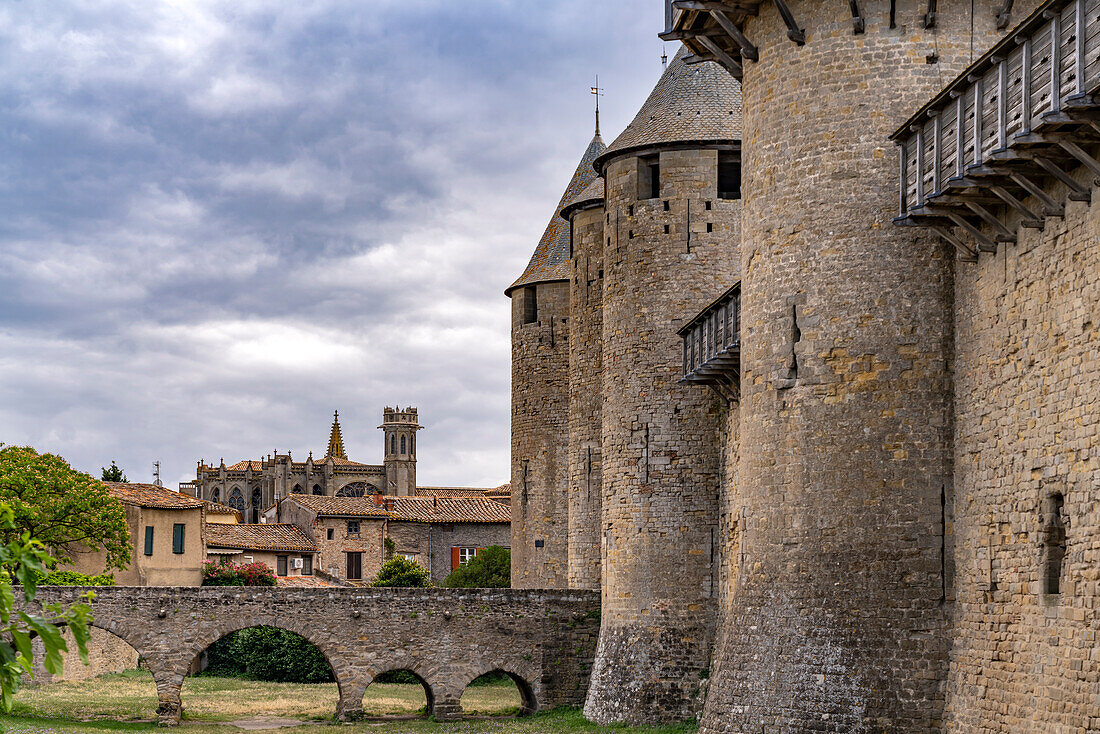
664	58
597	92
156	474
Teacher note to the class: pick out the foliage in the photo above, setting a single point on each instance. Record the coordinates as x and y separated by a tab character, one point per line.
225	573
66	510
25	560
491	568
113	474
268	654
72	578
401	571
398	676
388	547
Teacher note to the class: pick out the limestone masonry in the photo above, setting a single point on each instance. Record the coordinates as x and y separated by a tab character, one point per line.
832	465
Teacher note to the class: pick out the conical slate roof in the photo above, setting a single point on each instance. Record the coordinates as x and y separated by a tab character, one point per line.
550	260
691	102
593	192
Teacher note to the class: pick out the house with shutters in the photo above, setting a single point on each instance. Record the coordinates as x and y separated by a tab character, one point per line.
282	547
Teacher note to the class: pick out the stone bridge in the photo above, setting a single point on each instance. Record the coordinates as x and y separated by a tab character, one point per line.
544	640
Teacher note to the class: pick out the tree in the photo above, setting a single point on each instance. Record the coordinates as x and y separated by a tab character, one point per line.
270	654
489	569
66	510
401	571
114	474
25	560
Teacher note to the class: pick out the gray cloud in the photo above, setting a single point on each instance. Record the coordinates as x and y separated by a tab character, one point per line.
222	220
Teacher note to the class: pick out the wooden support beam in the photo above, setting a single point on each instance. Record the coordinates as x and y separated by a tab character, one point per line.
733	66
966	253
1077	191
960	155
985	242
1004	15
1025	84
1052	207
858	24
748	50
699	58
1030	218
794	33
1079	153
903	160
1006	235
1002	104
928	20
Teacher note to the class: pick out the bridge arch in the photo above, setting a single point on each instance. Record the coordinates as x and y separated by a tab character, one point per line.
521	673
428	678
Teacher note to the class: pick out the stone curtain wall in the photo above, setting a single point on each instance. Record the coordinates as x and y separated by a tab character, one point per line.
106	654
540	440
837	621
660	440
1028	426
585	347
448	637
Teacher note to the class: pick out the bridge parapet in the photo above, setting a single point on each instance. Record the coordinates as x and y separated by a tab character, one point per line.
544	639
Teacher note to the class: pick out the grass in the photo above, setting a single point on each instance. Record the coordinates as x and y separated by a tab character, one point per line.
125	702
558	721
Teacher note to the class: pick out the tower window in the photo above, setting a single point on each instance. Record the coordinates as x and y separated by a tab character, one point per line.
403	445
393	444
729	175
649	177
412	444
530	305
1054	543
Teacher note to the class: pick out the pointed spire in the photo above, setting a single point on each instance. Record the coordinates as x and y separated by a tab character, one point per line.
597	93
336	439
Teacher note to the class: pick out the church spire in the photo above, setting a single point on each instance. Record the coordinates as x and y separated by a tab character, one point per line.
336	439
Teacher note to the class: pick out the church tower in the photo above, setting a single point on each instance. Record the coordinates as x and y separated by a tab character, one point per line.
540	399
399	429
671	231
336	439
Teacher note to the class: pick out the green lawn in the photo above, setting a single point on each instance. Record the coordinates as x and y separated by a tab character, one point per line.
127	701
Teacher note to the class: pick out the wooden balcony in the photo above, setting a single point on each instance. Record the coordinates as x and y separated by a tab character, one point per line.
1006	143
712	346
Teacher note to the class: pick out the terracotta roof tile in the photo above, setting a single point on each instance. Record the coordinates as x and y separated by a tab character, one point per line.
550	260
452	491
447	509
315	582
244	465
216	508
691	102
269	536
150	495
338	506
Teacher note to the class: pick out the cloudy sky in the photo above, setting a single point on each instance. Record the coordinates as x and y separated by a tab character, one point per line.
220	221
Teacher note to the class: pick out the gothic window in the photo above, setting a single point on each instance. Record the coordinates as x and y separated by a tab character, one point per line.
402	444
355	489
393	444
236	500
317	489
217	495
412	444
297	489
1054	543
257	500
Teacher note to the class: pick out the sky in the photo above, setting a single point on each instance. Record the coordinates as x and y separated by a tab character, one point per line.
222	221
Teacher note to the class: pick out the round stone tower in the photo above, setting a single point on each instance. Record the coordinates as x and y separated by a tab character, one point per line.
540	400
837	621
670	248
585	215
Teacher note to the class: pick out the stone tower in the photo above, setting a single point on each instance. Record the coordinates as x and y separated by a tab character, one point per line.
837	622
585	215
540	400
670	247
399	429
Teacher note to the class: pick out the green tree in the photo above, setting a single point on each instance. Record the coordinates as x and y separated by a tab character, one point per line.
24	561
114	474
401	571
269	654
66	510
489	569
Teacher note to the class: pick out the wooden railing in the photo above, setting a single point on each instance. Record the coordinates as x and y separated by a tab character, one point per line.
998	146
712	345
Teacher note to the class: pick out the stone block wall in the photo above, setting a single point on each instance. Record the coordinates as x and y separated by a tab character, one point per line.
838	621
540	439
664	260
106	654
463	535
585	412
1027	405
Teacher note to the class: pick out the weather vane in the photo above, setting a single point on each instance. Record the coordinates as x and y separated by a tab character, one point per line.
597	92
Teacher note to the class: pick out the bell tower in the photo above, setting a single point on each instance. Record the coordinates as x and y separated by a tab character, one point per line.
399	429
